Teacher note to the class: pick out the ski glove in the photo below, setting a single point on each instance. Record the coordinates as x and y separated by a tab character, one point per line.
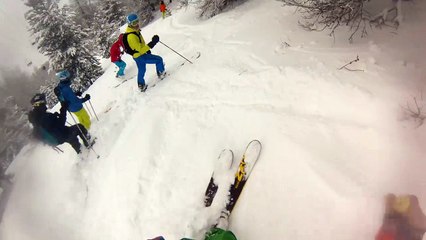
155	39
86	98
151	44
78	93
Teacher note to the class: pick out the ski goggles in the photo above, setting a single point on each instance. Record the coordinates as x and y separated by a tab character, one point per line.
39	103
134	22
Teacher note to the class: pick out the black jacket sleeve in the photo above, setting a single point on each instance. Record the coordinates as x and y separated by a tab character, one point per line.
63	114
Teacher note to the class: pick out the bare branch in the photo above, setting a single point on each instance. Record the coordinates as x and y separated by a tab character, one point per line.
349	63
415	112
332	14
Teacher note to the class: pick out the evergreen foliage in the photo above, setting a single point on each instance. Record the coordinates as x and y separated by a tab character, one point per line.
143	9
210	8
109	17
15	131
59	38
84	12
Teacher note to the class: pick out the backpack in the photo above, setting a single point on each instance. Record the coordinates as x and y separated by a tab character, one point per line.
44	136
126	46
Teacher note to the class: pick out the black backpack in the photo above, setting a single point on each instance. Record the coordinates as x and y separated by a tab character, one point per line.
126	46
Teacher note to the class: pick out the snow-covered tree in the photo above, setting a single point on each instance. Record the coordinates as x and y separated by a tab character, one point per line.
109	16
14	131
84	11
210	8
59	38
143	8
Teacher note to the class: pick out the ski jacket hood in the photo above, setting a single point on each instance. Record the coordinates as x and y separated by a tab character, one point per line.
75	104
135	44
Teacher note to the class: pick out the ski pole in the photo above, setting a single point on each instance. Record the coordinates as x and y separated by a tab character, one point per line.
94	112
175	52
88	109
84	136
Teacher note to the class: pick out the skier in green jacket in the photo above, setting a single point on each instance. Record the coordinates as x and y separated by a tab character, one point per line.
213	234
219	234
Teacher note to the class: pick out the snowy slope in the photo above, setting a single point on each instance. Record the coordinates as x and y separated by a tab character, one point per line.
334	141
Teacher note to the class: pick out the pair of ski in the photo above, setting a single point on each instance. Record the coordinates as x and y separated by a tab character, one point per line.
124	80
226	165
130	78
194	57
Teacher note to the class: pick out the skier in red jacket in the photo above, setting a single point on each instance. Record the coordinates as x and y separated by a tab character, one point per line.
403	219
163	9
116	52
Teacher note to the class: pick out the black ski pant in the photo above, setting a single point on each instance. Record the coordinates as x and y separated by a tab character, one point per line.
75	131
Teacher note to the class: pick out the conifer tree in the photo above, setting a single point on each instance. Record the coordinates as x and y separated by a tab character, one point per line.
110	16
59	38
210	8
142	8
14	131
84	11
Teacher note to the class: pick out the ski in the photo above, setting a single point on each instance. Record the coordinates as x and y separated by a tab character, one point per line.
225	166
151	85
194	57
123	81
245	167
224	163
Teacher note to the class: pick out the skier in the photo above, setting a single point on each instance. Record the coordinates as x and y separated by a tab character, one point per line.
213	234
163	9
50	127
115	53
75	104
403	219
219	232
135	45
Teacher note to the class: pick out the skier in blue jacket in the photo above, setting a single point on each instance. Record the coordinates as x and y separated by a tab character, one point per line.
75	104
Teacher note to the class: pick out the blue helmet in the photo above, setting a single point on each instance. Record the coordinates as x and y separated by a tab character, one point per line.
63	75
132	19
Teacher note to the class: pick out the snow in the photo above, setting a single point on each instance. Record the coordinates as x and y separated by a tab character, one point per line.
334	141
16	43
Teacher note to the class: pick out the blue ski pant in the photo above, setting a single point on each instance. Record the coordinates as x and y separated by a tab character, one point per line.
121	66
148	58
